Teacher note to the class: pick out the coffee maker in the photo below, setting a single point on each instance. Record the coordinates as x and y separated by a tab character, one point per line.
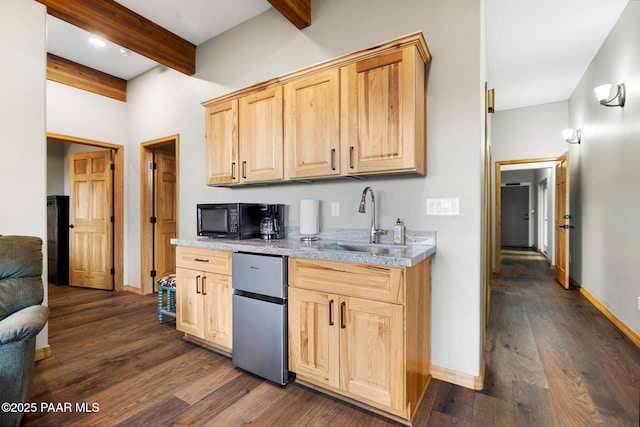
272	222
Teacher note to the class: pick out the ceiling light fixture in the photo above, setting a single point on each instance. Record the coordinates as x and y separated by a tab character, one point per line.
97	42
572	136
603	92
124	52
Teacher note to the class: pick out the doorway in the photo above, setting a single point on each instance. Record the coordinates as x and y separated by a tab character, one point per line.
542	163
115	256
159	160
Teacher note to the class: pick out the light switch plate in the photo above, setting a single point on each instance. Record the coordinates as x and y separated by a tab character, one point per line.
450	206
335	209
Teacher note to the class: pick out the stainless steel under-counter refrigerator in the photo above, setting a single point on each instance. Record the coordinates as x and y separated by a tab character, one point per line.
260	315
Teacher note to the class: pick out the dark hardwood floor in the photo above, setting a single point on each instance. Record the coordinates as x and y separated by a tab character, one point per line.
552	360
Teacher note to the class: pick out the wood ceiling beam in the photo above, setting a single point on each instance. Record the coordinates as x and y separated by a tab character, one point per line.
73	74
116	23
296	11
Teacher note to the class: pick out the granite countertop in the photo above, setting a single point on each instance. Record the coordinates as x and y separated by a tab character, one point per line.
344	245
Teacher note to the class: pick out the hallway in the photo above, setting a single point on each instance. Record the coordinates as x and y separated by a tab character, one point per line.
552	358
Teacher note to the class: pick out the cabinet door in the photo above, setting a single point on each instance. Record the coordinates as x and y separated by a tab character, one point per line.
383	114
217	294
222	143
311	131
314	336
372	352
261	146
189	302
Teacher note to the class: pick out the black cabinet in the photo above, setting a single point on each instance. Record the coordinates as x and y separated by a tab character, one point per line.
58	239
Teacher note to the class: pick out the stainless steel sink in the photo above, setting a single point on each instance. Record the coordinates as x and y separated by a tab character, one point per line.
370	249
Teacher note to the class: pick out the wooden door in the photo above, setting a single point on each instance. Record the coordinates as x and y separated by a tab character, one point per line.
261	136
222	143
563	216
312	131
314	336
90	220
189	301
218	295
371	351
165	212
383	114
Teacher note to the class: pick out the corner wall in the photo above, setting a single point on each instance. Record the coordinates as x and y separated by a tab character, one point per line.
23	166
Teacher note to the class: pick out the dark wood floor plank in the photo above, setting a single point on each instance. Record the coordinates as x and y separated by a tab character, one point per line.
455	401
498	381
490	411
526	365
211	405
157	414
443	420
571	399
533	406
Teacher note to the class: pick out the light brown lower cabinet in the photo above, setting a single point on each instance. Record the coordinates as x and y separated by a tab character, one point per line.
371	346
204	296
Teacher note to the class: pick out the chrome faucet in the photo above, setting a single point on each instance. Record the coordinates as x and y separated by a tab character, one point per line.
375	233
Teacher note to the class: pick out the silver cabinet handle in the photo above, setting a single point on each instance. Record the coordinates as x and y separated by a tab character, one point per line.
333	159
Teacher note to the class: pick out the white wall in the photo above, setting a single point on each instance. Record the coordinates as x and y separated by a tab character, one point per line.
606	241
529	132
22	125
163	102
82	114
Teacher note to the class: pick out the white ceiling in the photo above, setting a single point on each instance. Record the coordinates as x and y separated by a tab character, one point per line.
194	20
537	50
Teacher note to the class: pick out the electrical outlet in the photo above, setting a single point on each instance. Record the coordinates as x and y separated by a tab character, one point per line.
638	303
335	209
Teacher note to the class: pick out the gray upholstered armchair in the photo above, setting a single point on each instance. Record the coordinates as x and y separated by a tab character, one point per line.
21	318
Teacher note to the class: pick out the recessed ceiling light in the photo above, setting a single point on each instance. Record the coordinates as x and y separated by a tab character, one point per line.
97	42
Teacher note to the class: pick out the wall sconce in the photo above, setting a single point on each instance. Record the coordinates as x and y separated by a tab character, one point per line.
602	93
572	136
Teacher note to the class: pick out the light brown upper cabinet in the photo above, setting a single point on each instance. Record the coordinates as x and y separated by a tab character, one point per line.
364	113
244	139
261	142
312	125
383	114
222	159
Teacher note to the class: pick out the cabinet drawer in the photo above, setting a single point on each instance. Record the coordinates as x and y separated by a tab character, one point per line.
375	282
204	260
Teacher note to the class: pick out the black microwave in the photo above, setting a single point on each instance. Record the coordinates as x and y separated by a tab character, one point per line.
234	220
